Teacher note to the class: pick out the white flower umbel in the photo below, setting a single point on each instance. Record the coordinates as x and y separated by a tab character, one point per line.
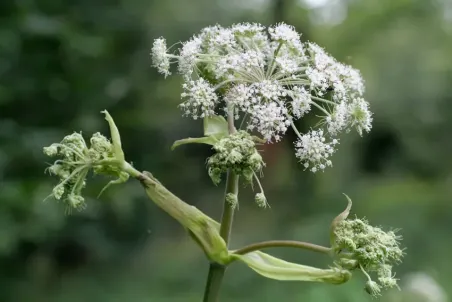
313	151
160	58
200	99
269	78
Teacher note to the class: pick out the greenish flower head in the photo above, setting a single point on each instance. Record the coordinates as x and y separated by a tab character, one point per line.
76	159
369	248
261	200
232	200
238	153
372	288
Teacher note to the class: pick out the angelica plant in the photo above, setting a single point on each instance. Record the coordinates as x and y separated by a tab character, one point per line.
249	84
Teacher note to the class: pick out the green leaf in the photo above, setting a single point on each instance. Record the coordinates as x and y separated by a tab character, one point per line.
216	126
115	137
339	218
209	140
278	269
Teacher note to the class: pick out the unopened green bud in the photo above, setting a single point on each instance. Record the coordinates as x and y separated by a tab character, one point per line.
261	200
101	146
59	170
388	282
51	150
236	152
372	288
232	200
255	159
371	248
76	201
235	157
58	192
349	264
215	175
77	159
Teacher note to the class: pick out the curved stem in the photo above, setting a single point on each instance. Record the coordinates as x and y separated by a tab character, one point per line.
283	243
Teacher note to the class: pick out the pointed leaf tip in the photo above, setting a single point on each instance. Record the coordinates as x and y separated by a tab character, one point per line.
339	218
208	140
115	137
349	206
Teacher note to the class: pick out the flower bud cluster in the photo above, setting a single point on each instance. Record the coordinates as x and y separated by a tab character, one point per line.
269	78
76	160
369	248
238	153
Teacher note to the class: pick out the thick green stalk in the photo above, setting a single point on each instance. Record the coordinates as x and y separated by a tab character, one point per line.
216	271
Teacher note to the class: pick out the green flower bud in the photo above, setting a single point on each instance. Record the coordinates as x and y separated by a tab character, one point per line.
215	175
51	150
255	159
234	157
236	152
370	248
261	200
59	170
388	282
372	288
232	200
77	159
58	192
348	264
76	201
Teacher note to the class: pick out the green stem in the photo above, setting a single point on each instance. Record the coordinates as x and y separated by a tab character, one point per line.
216	271
283	243
232	186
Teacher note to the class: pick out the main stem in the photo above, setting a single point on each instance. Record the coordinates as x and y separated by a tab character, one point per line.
216	271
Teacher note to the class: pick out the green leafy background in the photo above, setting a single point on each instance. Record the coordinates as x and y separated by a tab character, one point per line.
61	63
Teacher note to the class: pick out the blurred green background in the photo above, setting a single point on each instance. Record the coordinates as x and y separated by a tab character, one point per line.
61	63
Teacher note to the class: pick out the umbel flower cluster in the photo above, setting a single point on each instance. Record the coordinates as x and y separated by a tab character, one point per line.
76	161
369	249
268	78
238	153
354	243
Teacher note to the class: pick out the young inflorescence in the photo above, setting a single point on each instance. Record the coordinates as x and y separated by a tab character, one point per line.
269	78
236	152
370	249
77	159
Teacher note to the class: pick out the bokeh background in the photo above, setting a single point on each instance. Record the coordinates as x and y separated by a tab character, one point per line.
61	63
